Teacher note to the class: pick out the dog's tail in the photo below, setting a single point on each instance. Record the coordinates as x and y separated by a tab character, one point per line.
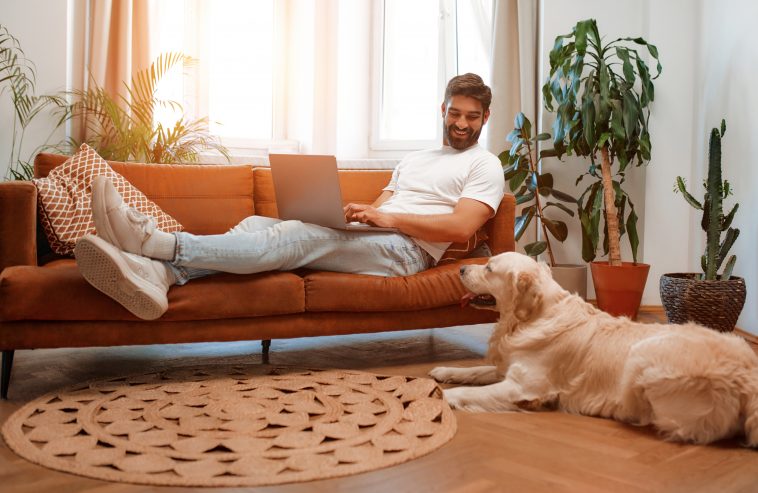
750	409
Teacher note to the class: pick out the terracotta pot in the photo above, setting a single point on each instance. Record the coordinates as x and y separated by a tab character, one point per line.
619	289
571	277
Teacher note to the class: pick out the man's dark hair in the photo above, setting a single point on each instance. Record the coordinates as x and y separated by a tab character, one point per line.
470	85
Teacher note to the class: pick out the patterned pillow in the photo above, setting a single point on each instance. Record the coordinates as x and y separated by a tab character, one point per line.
457	251
64	200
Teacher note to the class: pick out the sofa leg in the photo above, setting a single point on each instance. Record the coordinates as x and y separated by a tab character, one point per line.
266	345
5	379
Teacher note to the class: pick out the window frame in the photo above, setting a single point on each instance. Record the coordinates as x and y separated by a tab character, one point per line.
447	68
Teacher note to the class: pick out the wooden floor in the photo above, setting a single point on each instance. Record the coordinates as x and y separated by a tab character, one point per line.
519	452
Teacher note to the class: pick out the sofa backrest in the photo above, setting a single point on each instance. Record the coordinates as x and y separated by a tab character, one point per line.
210	199
205	199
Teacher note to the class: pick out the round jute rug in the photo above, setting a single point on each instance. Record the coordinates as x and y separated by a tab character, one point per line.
232	426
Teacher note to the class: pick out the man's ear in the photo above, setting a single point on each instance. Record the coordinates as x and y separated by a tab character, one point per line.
443	108
486	117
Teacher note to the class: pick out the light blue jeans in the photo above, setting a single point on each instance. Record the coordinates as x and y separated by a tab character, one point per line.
259	244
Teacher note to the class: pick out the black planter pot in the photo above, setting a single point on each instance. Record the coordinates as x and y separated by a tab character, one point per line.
715	304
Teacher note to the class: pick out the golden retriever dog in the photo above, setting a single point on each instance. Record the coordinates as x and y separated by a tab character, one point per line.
550	349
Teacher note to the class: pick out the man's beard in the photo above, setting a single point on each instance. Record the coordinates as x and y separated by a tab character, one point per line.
461	143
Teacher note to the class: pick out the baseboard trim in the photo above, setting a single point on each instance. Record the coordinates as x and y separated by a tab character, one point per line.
651	308
658	309
751	338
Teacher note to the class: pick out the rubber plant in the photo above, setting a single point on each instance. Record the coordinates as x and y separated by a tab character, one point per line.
601	94
121	127
532	186
714	222
18	80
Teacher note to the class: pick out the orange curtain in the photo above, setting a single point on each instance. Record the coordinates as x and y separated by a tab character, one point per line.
119	42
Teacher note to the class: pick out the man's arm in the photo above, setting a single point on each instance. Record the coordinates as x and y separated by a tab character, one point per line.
382	198
468	216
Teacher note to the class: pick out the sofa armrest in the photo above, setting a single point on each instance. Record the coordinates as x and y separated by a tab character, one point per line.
500	228
18	223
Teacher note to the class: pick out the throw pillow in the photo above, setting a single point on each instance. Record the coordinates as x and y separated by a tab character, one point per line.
64	198
457	251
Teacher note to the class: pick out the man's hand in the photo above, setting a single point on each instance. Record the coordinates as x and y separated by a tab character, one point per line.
467	217
368	214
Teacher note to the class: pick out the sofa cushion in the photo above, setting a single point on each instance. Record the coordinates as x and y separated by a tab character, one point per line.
57	291
457	251
64	198
435	287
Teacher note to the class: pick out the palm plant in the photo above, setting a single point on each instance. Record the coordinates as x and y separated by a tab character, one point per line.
18	79
121	127
602	92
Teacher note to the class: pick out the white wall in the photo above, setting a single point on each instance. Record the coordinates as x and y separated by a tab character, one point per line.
710	64
669	220
725	88
40	27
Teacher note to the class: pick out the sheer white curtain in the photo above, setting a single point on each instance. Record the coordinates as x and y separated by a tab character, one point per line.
513	69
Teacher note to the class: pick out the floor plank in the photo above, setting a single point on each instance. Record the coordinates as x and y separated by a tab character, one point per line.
532	452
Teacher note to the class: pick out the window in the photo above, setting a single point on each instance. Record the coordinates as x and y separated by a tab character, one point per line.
420	45
232	82
282	73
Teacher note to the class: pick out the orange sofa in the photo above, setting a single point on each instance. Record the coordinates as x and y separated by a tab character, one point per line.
45	303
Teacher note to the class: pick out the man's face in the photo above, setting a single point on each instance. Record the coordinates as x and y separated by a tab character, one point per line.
463	121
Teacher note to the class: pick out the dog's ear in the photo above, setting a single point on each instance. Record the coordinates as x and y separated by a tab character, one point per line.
528	296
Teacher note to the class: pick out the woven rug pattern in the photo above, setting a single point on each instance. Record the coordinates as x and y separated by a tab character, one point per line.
232	425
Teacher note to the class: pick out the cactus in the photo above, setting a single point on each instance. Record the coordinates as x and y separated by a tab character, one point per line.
714	222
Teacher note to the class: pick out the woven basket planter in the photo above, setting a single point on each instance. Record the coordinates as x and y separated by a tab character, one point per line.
715	304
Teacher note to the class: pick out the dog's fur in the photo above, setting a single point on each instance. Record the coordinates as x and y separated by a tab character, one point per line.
550	349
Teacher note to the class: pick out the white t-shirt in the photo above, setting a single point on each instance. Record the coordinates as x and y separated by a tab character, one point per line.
433	181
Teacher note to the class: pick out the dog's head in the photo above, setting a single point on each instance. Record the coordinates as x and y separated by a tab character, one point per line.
515	282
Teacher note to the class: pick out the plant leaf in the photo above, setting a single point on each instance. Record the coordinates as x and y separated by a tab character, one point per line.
631	229
523	198
563	196
522	222
557	228
560	206
517	179
535	248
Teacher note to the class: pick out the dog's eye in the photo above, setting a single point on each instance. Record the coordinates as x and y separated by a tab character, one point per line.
488	268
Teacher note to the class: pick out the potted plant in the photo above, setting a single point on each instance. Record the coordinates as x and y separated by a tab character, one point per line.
122	129
534	187
711	299
602	92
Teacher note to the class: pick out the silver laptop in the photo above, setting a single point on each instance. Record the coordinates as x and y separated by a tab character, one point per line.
307	188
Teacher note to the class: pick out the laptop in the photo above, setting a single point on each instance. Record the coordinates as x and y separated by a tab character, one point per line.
307	188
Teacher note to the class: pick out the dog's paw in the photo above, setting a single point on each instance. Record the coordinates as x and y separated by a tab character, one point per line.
452	398
458	398
444	374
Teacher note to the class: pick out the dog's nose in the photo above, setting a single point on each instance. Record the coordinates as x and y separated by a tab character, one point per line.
463	269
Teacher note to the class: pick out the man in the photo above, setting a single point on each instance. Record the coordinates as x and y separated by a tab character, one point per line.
435	197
